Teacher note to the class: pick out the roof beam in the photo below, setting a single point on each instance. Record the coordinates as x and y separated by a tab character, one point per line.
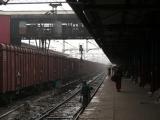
131	26
121	7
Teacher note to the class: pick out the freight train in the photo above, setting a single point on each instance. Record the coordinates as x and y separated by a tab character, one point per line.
22	68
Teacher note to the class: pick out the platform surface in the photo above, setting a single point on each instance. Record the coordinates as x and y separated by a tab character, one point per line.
132	103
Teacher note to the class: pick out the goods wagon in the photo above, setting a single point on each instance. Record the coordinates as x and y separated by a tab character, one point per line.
5	29
23	68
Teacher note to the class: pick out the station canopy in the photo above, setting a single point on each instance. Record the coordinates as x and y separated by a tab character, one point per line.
118	26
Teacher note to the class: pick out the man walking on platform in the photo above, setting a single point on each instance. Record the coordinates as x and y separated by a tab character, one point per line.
85	92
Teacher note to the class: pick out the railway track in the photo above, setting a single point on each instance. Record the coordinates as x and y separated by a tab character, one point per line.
42	105
71	108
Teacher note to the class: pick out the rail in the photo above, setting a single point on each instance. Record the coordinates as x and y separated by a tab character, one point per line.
16	108
79	111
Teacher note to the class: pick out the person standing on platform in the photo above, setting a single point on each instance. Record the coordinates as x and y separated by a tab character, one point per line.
118	79
109	71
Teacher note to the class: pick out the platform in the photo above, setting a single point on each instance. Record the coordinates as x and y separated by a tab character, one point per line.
132	103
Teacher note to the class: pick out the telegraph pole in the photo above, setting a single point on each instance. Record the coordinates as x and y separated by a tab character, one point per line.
81	51
86	45
63	46
54	7
3	2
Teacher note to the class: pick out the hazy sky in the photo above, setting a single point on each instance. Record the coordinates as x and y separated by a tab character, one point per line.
94	53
